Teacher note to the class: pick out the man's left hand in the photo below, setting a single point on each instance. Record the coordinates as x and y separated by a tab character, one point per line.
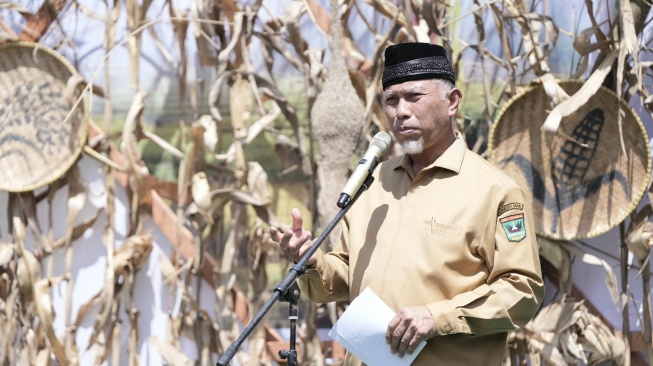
408	328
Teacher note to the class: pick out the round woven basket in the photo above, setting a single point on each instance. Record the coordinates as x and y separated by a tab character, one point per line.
40	138
583	181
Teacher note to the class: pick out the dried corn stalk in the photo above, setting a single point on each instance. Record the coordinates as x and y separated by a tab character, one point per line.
564	332
225	187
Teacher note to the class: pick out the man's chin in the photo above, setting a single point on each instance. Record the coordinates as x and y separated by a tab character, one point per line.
412	147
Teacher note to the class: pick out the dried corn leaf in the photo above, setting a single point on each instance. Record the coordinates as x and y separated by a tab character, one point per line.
203	32
274	42
83	310
547	351
133	254
581	97
628	27
7	252
76	201
109	41
115	345
13	6
133	41
43	357
106	296
25	354
29	205
210	136
567	328
136	167
318	14
9	317
201	193
102	158
169	272
390	10
271	90
639	240
132	342
162	48
171	354
236	33
570	346
165	145
27	273
555	252
256	128
239	103
46	316
292	21
532	48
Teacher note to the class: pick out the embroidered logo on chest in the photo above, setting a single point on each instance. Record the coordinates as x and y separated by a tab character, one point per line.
436	227
514	227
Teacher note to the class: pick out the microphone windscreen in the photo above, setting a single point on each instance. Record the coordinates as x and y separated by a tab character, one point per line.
381	140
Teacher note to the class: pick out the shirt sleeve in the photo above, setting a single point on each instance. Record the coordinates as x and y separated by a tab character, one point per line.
328	278
514	289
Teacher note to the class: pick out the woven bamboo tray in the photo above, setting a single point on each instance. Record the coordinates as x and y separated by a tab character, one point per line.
581	185
40	138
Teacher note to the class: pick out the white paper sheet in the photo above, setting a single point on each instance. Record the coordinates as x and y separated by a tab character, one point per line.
361	330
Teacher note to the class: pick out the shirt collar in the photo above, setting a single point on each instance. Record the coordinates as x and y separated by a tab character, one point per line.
451	159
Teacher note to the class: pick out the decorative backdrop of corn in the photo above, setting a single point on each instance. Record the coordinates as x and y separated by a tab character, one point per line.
224	199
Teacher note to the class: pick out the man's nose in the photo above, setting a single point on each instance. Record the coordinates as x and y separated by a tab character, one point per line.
403	109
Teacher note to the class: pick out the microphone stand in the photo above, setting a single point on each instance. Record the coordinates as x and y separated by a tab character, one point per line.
281	292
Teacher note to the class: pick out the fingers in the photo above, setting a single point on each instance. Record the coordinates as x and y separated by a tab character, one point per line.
401	338
298	246
295	241
395	333
408	328
389	333
275	235
406	339
398	335
297	220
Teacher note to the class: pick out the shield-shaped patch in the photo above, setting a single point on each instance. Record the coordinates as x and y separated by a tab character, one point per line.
514	227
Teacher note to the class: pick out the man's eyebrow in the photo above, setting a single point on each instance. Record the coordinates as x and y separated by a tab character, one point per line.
408	90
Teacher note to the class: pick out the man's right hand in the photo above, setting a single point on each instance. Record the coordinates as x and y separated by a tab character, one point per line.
294	241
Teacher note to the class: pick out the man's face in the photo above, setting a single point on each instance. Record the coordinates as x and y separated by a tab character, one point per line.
418	114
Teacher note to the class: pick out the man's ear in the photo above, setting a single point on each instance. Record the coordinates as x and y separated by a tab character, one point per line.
455	97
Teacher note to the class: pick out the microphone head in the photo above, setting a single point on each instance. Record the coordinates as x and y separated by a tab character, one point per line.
381	141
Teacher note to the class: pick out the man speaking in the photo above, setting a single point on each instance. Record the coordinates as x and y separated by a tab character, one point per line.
443	237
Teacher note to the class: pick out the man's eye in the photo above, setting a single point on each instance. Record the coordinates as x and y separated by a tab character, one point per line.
391	99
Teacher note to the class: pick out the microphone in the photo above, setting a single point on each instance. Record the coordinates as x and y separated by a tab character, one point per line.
365	167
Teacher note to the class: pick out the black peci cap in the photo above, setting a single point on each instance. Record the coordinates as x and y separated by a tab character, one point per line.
416	61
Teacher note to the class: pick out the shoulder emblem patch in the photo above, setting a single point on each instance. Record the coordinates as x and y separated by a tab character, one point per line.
510	206
514	227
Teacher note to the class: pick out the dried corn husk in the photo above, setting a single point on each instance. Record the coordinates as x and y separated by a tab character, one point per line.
564	332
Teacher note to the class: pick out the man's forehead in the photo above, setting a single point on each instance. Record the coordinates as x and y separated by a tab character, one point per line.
411	86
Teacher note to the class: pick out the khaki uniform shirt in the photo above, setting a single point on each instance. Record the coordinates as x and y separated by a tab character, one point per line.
458	238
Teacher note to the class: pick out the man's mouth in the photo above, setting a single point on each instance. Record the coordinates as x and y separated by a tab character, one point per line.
406	131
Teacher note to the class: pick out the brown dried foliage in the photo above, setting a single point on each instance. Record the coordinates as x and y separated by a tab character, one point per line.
223	198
